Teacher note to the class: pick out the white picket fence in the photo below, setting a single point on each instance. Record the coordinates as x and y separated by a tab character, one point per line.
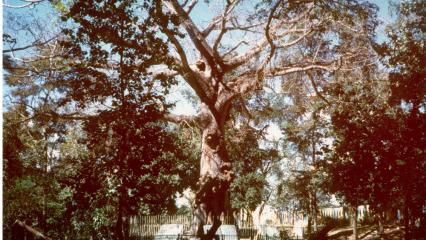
147	226
339	212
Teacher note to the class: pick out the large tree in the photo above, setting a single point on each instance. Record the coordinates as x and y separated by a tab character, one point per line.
237	53
405	55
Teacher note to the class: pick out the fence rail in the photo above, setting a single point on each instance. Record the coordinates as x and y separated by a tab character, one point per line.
218	237
145	227
149	225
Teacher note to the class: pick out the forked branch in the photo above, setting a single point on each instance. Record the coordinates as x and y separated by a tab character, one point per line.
223	29
193	121
214	23
274	34
261	68
193	32
187	73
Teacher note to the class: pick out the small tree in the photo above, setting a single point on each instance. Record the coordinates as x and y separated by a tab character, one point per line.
251	165
135	162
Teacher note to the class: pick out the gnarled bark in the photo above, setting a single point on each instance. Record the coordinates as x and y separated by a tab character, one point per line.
215	171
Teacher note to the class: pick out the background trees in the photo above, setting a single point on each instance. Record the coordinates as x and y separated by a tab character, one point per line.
360	162
32	135
374	124
404	53
90	148
252	166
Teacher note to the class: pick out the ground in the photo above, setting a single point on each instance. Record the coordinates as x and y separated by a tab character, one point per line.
368	233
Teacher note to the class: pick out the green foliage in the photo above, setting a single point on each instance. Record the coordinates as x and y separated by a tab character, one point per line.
405	53
251	166
26	199
378	154
305	132
32	191
135	163
78	178
361	166
184	210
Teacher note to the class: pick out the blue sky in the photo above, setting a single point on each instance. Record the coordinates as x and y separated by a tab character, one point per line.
384	15
43	11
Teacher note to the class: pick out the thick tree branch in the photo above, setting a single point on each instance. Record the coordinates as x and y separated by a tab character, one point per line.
273	72
193	121
248	81
194	34
261	72
187	73
165	73
239	60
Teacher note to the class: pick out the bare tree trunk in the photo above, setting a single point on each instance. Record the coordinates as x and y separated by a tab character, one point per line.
309	231
381	222
119	226
215	174
314	212
354	221
406	222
